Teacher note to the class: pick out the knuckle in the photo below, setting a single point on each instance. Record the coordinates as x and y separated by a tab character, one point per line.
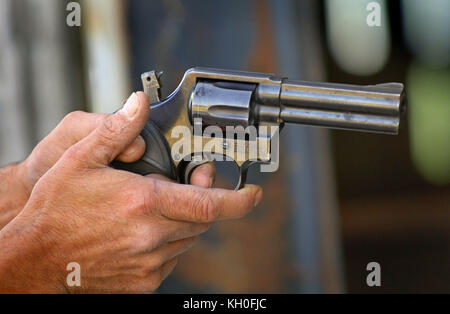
159	277
151	195
137	204
45	187
73	156
155	285
110	125
203	207
146	238
154	281
142	272
140	237
136	200
205	227
73	117
147	281
157	199
155	262
111	128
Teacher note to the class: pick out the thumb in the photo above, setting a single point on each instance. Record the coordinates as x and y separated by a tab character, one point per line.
114	134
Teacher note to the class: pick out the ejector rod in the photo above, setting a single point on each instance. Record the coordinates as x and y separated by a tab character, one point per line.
375	108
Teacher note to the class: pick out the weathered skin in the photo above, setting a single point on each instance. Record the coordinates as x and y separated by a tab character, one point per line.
125	230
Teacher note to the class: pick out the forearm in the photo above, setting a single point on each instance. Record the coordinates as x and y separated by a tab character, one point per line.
14	193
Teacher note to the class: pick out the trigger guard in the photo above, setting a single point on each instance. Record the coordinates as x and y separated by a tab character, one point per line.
243	170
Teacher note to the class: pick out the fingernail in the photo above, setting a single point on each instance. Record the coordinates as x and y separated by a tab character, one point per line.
131	106
258	197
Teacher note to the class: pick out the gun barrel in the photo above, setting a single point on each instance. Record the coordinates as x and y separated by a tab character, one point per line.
375	108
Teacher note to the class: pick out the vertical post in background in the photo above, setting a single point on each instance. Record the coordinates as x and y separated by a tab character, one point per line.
106	49
315	223
40	77
54	73
14	130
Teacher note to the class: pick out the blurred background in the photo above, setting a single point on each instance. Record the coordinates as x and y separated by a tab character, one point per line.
339	200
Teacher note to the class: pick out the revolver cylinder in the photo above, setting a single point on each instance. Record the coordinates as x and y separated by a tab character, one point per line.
223	103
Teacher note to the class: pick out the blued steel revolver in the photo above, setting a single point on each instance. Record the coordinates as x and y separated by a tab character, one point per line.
243	101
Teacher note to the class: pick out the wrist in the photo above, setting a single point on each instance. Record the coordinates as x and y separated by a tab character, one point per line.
26	263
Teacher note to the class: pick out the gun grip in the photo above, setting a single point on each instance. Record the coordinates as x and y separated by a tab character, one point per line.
156	158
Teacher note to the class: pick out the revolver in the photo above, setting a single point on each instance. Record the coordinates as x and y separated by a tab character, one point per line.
185	129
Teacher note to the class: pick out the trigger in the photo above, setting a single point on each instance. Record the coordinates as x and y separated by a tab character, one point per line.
243	173
242	178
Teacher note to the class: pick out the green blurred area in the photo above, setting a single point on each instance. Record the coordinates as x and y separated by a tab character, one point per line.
429	121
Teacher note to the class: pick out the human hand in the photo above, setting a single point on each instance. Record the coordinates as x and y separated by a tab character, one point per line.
125	230
17	181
